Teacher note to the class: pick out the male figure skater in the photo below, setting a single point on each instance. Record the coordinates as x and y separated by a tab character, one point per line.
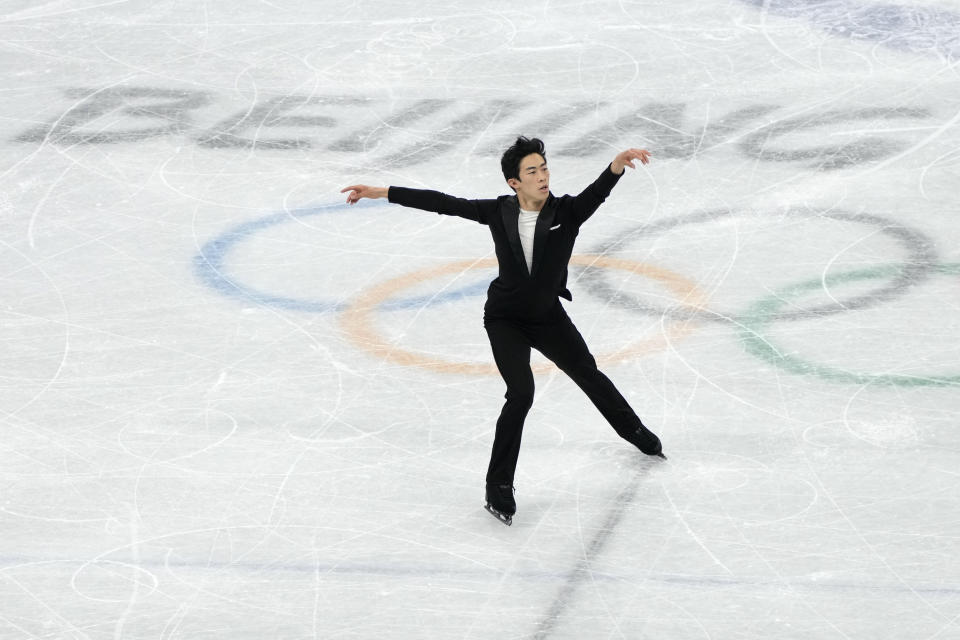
533	234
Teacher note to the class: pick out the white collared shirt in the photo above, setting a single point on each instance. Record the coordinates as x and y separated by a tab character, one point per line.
526	225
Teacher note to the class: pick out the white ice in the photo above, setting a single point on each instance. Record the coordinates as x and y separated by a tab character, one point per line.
230	407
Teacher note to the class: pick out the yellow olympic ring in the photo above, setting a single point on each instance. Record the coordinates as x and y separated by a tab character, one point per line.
355	320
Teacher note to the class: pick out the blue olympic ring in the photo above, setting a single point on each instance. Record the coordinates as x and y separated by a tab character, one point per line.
210	266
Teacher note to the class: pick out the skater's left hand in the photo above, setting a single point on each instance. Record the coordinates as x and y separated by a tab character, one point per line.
626	158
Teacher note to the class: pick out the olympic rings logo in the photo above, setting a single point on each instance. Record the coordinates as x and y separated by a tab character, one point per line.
357	315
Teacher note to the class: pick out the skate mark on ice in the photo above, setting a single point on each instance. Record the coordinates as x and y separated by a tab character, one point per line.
581	572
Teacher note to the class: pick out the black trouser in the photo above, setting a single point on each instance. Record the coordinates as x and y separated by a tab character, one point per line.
557	339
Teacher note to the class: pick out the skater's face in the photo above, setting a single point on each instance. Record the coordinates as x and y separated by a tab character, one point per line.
534	181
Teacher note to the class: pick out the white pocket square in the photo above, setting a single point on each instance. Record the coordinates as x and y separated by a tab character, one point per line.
554	228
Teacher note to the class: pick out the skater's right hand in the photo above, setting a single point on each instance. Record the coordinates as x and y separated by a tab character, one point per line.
359	191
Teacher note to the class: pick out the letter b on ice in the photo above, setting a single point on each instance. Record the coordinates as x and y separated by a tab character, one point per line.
111	115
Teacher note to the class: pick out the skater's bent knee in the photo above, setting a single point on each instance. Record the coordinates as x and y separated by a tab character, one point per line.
523	398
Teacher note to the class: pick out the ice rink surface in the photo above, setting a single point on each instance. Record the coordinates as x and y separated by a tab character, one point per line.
233	407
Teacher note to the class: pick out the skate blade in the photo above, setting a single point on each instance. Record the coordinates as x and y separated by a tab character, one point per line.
499	515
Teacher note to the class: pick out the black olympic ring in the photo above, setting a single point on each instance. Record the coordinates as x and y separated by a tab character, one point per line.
920	262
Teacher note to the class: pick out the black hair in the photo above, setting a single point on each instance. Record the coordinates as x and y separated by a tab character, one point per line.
510	162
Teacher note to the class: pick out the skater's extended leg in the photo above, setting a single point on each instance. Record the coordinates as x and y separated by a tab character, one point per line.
567	349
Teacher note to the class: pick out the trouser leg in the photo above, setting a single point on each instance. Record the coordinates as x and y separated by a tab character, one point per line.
564	345
511	352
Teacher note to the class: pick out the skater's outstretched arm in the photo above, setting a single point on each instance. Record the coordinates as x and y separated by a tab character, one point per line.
593	196
426	199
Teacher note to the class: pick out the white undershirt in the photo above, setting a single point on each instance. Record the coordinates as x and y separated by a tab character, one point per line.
526	225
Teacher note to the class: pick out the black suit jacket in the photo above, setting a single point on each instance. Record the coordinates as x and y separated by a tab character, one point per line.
518	292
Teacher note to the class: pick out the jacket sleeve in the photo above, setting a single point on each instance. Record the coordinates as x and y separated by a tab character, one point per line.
476	210
593	196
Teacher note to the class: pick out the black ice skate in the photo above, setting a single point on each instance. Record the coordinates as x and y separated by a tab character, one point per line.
647	441
500	502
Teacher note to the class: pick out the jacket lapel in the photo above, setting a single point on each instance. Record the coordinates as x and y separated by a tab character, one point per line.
544	222
511	217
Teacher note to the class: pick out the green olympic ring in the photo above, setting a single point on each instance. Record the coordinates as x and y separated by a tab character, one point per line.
759	315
